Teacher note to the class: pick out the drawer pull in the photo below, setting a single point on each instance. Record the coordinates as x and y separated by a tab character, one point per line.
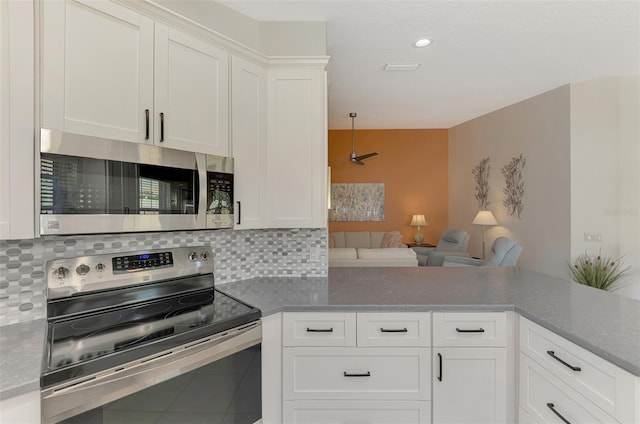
553	355
439	367
461	330
552	407
393	330
319	330
367	374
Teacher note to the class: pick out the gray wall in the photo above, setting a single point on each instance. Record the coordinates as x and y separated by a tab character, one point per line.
538	128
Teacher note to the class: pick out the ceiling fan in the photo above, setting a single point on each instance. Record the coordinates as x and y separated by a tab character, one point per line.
355	158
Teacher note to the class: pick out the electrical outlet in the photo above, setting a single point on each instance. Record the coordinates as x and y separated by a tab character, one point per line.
589	236
314	254
599	238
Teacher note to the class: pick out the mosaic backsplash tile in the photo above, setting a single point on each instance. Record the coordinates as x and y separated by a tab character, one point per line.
238	255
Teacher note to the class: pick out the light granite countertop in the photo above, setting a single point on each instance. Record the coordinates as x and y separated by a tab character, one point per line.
604	323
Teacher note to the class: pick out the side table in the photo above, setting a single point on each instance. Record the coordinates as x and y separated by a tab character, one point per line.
422	251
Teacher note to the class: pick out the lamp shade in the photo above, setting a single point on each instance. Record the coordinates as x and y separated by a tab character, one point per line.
418	221
484	218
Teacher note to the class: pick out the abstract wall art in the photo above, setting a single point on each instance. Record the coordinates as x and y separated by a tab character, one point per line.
357	202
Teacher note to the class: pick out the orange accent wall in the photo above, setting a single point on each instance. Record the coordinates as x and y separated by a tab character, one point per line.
412	164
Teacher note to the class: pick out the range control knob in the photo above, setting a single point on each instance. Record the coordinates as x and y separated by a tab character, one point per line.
83	269
61	272
100	267
193	256
204	255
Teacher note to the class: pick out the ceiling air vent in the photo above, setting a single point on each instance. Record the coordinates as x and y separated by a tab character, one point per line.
401	66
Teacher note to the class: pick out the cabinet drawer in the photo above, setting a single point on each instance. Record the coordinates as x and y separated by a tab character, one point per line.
319	329
603	383
394	329
352	373
548	400
378	412
469	329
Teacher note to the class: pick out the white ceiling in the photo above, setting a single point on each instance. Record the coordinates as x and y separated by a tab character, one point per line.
485	54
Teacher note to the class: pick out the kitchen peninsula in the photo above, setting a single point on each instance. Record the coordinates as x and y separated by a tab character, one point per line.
603	324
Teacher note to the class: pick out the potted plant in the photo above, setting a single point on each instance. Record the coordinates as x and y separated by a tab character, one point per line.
601	272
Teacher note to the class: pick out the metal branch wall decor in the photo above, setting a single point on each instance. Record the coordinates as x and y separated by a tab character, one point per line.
481	175
514	185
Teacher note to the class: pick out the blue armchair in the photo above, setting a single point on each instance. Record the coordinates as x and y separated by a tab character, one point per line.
505	252
452	242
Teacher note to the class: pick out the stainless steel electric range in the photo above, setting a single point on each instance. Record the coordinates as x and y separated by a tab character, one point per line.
120	323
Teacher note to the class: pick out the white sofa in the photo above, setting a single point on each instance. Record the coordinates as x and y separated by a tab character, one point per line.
362	249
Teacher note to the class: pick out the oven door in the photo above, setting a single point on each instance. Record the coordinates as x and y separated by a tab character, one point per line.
95	185
189	379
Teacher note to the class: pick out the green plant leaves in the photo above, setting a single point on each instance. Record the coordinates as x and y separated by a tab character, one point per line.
599	272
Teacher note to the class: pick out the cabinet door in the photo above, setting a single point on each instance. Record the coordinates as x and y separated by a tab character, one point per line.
347	412
16	120
249	144
21	409
97	69
469	385
191	87
297	148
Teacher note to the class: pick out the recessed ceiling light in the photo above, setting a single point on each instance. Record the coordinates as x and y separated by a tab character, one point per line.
423	42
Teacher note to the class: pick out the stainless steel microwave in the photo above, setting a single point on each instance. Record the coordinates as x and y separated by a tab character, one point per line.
94	185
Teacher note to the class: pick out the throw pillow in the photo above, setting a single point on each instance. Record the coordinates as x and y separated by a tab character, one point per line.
391	240
332	241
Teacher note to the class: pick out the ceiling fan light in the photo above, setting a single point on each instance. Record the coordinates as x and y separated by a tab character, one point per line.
354	158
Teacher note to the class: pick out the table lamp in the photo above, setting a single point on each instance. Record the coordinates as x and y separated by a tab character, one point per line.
484	218
418	221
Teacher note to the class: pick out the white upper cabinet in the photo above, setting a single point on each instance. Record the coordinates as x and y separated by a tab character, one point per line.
108	71
297	148
249	143
16	120
191	93
97	69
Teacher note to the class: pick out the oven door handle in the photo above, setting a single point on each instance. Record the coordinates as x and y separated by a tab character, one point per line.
69	399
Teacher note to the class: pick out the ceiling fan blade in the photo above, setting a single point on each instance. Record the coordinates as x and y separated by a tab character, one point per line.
368	155
357	162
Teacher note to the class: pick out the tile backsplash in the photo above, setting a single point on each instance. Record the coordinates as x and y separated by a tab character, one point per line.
238	255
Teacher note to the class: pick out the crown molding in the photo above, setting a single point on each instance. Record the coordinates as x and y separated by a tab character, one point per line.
173	19
309	62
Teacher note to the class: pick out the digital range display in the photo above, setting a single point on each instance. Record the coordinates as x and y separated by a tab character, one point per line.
142	262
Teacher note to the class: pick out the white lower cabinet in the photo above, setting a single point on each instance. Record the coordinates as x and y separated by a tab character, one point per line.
470	368
354	373
349	412
546	399
356	368
21	409
562	382
469	385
